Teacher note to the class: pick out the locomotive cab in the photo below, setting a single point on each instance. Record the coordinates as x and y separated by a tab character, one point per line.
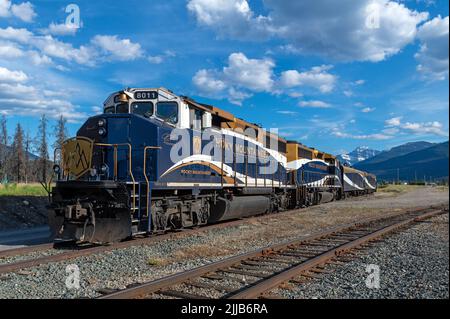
159	104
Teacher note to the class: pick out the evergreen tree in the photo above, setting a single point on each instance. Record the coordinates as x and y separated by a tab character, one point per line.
60	134
27	149
3	148
17	158
42	149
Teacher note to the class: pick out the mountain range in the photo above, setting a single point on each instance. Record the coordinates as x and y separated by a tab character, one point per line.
8	149
359	154
414	161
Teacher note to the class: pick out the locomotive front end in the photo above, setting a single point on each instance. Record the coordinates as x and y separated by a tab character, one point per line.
90	199
95	195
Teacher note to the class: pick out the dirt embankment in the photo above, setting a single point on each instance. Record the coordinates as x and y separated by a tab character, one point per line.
22	211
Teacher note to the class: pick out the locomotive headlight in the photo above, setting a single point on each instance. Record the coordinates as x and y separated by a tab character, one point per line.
104	169
101	123
102	131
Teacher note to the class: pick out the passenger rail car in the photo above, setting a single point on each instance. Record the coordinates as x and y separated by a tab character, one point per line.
155	161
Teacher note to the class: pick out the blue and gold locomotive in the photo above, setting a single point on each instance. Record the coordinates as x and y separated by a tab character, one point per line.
155	161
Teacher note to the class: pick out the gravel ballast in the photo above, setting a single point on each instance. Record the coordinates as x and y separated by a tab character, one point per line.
412	264
119	268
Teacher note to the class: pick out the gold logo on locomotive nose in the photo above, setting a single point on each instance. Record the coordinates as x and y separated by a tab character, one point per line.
77	155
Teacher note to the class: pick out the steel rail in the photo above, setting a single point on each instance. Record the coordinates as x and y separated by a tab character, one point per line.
67	255
186	276
274	281
5	268
25	250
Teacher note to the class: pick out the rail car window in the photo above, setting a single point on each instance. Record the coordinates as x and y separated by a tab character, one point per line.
282	147
122	108
302	153
109	110
142	108
167	111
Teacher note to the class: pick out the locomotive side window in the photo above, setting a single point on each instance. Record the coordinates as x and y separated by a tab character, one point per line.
122	108
167	111
142	108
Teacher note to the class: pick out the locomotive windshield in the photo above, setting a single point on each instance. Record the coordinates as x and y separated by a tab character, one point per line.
167	111
142	108
122	108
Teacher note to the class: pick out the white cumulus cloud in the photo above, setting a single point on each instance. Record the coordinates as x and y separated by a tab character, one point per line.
7	75
433	53
318	77
368	109
395	121
433	127
10	50
375	136
101	48
240	78
315	103
23	11
5	7
348	30
207	82
229	18
118	49
254	74
61	29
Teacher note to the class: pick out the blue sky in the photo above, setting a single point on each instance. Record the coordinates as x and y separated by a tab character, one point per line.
330	74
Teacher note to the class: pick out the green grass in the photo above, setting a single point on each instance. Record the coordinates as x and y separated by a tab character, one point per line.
156	262
22	190
397	188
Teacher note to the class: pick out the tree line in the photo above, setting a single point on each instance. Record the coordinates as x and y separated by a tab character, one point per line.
25	159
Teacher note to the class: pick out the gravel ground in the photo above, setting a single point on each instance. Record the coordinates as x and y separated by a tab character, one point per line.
29	256
119	268
22	212
412	264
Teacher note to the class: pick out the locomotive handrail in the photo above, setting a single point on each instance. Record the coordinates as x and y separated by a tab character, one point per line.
145	173
130	165
60	159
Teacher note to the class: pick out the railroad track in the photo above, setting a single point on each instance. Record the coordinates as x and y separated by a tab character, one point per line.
63	253
60	255
255	274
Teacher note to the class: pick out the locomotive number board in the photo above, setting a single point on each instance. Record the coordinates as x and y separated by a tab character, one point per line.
145	95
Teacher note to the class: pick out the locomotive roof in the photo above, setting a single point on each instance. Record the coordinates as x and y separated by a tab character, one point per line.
354	170
230	117
227	116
